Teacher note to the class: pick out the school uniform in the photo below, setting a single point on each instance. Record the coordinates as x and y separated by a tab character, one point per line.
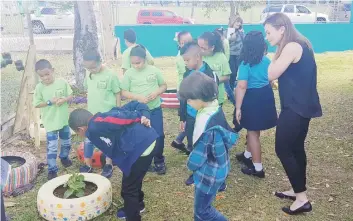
258	110
209	160
102	88
219	64
115	134
55	120
144	82
188	113
299	103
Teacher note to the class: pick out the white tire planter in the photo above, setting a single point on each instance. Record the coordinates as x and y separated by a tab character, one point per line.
53	208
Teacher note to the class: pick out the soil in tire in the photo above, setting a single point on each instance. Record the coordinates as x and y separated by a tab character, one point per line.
89	189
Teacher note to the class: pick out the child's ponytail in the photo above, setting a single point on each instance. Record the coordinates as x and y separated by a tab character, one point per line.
214	40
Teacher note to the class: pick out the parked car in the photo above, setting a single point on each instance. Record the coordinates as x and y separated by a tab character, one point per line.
296	13
155	16
52	19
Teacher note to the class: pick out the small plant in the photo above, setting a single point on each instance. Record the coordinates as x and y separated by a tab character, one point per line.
75	185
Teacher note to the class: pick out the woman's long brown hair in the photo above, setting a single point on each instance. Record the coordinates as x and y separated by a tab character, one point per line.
291	34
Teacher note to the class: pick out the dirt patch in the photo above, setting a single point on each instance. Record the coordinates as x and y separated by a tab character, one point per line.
89	189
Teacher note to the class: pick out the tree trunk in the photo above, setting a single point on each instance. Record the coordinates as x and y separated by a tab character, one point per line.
232	9
193	4
85	37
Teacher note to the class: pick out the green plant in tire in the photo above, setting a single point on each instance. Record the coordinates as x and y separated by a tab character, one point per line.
75	185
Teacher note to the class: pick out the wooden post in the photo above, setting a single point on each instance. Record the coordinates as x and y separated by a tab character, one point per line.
107	29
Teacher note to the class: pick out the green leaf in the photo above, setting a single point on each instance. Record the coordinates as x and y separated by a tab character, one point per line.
68	193
80	193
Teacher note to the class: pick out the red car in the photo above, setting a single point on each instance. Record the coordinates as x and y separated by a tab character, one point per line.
155	16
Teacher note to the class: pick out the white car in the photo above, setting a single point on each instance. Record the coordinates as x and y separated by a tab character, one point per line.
296	13
52	19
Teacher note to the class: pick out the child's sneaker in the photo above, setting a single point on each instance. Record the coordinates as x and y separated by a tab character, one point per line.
107	171
66	162
223	187
52	175
121	212
151	169
180	146
252	172
86	169
160	168
190	180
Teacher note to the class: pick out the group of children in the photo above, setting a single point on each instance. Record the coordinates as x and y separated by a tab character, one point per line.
132	136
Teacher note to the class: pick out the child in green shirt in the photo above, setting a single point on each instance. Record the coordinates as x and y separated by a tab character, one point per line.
130	41
51	96
103	93
144	83
213	54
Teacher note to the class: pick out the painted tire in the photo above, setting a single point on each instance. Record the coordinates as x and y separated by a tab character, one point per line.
98	158
170	99
22	175
53	208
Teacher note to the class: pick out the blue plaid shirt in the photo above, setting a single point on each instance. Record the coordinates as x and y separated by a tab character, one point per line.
209	159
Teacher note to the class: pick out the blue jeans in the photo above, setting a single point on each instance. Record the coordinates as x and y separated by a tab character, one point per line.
203	209
230	92
157	125
88	148
52	146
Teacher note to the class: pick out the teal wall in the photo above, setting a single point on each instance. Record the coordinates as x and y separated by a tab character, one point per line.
159	38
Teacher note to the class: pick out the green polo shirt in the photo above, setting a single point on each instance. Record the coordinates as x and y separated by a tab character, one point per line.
144	82
219	64
180	65
101	89
53	117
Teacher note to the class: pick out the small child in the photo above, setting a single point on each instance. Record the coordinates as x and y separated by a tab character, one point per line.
145	83
213	54
191	53
103	93
51	96
130	41
212	140
255	103
183	38
114	133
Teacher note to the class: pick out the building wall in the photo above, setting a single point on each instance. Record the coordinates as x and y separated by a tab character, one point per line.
159	39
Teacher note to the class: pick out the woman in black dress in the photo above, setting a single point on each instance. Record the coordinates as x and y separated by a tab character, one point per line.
295	68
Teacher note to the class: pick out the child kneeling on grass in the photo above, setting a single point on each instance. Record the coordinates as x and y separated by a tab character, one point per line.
124	134
212	139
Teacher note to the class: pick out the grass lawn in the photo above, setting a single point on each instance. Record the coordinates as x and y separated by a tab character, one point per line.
329	149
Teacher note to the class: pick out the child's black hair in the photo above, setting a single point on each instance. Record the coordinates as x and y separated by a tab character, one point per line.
220	31
138	51
253	48
198	86
187	46
79	118
42	64
130	36
181	34
213	39
92	55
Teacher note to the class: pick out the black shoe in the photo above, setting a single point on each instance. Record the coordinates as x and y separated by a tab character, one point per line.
86	169
160	168
180	146
241	158
284	196
66	162
252	172
223	187
151	169
303	209
52	175
190	180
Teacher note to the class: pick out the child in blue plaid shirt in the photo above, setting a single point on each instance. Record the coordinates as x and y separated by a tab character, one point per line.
212	139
